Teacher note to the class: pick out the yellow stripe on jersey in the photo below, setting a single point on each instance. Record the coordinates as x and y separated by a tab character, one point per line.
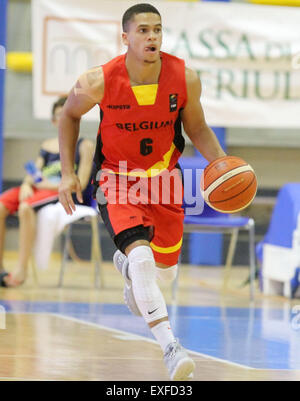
170	249
145	94
161	165
154	170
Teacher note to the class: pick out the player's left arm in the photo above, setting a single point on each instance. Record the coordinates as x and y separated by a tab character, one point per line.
202	137
86	152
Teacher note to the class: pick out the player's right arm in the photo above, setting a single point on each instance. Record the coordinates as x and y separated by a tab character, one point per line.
201	135
87	92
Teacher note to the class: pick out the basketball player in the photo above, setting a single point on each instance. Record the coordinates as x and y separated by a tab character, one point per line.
30	197
143	96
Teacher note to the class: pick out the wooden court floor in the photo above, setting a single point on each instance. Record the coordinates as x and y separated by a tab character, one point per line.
82	333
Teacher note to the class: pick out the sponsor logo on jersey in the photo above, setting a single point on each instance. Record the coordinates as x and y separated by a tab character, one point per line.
173	98
119	106
144	125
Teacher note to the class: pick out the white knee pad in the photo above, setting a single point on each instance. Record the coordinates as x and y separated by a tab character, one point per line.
168	274
147	294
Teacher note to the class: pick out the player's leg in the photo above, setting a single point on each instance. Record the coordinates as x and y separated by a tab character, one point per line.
27	219
4	212
129	226
146	295
166	246
165	273
168	216
26	240
27	230
141	273
135	260
9	201
137	236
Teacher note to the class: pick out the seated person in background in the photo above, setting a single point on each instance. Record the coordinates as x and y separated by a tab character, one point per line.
30	197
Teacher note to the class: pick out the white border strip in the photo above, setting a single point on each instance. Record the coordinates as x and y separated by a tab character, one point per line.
2	58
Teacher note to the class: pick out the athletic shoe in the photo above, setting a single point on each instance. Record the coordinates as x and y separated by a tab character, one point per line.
121	263
179	364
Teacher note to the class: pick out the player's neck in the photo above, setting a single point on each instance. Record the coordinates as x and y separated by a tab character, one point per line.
142	73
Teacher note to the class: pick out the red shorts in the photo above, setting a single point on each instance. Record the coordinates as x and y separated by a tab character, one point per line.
150	208
40	197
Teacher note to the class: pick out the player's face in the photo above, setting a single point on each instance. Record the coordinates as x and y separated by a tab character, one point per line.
144	37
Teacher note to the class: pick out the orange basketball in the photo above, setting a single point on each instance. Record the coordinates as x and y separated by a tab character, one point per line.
229	184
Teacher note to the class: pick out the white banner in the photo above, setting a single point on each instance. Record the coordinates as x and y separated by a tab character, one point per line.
247	56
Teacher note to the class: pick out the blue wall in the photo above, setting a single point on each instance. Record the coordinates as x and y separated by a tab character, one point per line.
3	10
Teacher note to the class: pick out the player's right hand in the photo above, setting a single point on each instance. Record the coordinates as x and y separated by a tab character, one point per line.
69	183
26	192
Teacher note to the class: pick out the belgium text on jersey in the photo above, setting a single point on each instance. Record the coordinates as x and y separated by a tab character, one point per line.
144	125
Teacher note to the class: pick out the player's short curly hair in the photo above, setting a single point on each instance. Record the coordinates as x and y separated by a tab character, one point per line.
137	9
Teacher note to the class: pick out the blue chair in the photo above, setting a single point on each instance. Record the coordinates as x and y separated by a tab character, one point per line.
200	244
211	221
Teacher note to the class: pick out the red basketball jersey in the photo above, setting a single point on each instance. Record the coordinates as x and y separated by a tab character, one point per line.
146	138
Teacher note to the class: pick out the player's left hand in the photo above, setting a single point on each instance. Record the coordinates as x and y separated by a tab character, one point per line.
69	183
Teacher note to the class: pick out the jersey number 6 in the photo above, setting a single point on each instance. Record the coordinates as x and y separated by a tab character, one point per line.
145	146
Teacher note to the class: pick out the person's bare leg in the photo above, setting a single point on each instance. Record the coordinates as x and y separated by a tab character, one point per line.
27	230
3	215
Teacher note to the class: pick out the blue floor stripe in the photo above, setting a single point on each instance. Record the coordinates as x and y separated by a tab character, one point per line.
258	338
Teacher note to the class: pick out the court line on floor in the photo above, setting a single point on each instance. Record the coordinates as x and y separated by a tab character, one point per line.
24	379
122	332
118	331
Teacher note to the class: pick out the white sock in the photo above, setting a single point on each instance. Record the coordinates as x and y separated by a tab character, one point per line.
163	334
166	274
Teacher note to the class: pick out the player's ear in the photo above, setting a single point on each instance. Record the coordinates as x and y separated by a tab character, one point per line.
125	39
